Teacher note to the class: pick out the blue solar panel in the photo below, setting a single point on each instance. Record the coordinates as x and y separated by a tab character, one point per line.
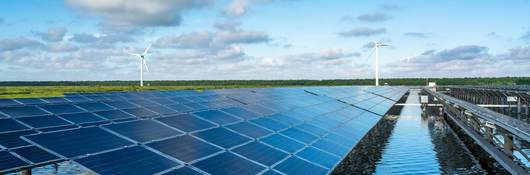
249	129
331	147
183	171
312	129
218	117
297	166
133	160
35	154
269	124
140	112
10	162
61	109
283	143
56	100
241	113
121	104
271	172
77	142
184	148
161	110
44	121
300	132
186	122
284	119
143	130
12	139
196	106
180	108
82	118
23	111
222	137
261	153
144	103
30	101
8	102
227	164
95	106
299	135
10	125
57	128
317	156
114	114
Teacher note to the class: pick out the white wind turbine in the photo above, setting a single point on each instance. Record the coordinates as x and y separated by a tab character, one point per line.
143	64
376	50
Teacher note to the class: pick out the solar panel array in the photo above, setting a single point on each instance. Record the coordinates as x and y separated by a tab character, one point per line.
231	131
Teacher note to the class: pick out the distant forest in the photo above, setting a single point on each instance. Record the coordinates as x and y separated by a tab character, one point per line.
392	81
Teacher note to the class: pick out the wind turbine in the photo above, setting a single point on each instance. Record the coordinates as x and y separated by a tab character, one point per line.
376	49
141	57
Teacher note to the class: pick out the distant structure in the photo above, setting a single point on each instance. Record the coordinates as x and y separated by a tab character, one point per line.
142	63
376	49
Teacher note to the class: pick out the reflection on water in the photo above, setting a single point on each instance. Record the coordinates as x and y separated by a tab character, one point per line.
424	145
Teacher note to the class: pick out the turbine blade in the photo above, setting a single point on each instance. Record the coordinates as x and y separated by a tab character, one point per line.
145	64
372	52
147	49
134	54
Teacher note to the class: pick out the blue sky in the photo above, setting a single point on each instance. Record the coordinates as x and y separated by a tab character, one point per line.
262	39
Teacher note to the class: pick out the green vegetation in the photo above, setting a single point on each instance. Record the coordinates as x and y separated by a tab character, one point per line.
17	89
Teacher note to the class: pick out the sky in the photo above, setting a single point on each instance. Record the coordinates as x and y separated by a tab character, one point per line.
85	40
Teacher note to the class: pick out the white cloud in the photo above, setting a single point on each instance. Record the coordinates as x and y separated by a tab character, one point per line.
128	15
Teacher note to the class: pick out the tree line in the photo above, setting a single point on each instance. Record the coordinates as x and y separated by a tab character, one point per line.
335	82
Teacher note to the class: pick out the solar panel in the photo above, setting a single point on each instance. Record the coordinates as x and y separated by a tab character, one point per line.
222	137
61	109
82	118
121	104
186	122
299	135
261	153
269	124
227	164
23	111
184	148
216	116
43	121
143	130
132	160
36	155
10	162
331	147
30	101
249	129
161	110
283	143
183	171
10	125
12	139
297	166
181	108
241	113
78	142
8	102
253	131
322	158
114	114
95	106
140	112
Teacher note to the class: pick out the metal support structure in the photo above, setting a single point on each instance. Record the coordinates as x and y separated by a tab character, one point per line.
483	125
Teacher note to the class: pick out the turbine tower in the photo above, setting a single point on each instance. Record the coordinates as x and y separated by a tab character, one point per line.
376	49
143	63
